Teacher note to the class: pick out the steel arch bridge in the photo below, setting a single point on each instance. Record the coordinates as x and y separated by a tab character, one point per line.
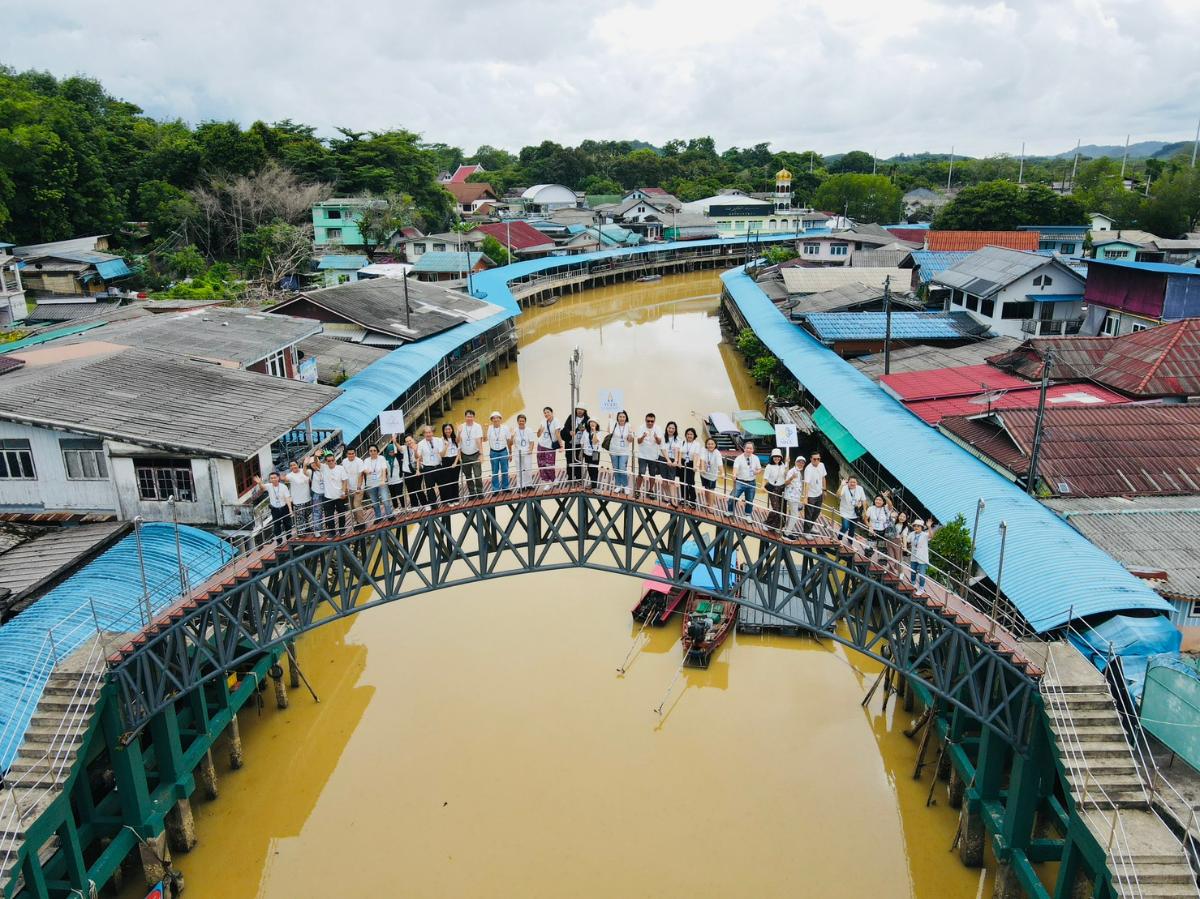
272	595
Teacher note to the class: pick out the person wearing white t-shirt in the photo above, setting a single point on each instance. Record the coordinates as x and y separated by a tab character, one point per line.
745	470
814	490
470	442
649	450
335	483
620	444
499	441
375	477
688	453
793	495
354	472
547	445
918	560
429	463
852	500
279	500
774	478
298	483
524	447
709	464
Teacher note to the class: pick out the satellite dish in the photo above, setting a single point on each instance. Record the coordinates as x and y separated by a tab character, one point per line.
991	396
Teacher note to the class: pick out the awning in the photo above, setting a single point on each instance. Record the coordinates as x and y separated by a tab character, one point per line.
838	435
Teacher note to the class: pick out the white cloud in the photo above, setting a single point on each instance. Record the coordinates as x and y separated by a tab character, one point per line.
982	75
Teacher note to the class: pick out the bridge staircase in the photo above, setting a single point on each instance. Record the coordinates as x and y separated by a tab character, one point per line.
47	758
1107	788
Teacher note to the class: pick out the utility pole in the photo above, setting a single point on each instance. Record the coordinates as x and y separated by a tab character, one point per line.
1039	425
874	161
1124	159
1021	173
1195	144
887	331
407	320
950	174
1075	164
810	162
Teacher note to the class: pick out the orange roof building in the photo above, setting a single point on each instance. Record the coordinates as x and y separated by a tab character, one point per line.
970	241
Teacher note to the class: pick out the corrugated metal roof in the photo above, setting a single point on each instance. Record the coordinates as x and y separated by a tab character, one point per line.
831	327
1114	450
377	386
931	262
837	434
1055	297
342	263
1160	268
1143	532
44	336
817	280
1059	395
938	383
991	269
111	584
447	262
1051	571
26	568
925	357
977	240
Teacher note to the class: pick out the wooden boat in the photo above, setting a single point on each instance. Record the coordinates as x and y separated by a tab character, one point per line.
706	624
659	601
646	279
548	301
722	428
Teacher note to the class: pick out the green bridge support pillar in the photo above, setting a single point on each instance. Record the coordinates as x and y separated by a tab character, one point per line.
1030	782
981	797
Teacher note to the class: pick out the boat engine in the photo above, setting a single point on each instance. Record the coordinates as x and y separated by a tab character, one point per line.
698	628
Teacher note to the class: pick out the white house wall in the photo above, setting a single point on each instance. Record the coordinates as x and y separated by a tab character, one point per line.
51	490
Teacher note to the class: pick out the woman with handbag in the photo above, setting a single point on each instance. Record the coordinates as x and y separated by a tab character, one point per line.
689	452
590	450
547	445
619	444
447	479
880	518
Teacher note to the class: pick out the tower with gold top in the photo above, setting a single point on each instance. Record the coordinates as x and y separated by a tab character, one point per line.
783	190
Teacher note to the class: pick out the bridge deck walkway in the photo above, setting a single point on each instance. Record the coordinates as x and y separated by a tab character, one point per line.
951	606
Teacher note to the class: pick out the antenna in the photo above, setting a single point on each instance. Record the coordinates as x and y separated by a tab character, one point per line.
1021	173
950	174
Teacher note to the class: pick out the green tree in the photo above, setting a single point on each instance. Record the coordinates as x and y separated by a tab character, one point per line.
764	369
855	162
186	263
599	184
384	216
226	148
274	252
865	198
492	159
776	255
494	250
1174	204
1002	205
950	551
393	162
749	345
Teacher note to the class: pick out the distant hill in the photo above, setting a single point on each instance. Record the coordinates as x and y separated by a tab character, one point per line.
1146	149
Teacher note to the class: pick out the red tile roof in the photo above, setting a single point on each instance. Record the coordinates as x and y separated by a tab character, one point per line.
523	235
970	241
463	172
933	411
469	193
1156	362
988	439
655	191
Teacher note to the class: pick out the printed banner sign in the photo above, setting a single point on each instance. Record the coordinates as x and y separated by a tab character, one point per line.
612	401
308	370
786	436
391	422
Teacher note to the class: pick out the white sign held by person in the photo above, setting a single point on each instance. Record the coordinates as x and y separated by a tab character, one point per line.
612	401
786	436
391	422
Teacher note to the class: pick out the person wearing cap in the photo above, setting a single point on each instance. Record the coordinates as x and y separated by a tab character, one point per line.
793	493
774	478
918	560
500	442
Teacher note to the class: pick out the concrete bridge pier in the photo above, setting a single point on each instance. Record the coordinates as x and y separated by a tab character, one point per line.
237	757
293	666
1008	886
972	836
206	775
181	826
281	695
155	857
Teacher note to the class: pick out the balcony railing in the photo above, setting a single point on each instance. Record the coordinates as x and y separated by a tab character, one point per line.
1051	327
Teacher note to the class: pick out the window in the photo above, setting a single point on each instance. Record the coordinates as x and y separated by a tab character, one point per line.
16	460
244	473
418	248
972	303
1046	244
1195	608
1043	281
333	213
160	479
1021	310
956	297
839	249
439	248
988	308
333	233
1115	254
276	364
1067	249
1112	324
84	459
812	248
1138	326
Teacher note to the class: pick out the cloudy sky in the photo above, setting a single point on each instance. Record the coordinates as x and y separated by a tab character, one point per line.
885	75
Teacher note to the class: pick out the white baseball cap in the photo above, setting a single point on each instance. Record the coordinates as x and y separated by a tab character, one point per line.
494	415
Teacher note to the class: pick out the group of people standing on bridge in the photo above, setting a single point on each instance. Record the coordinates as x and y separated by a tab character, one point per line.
429	468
